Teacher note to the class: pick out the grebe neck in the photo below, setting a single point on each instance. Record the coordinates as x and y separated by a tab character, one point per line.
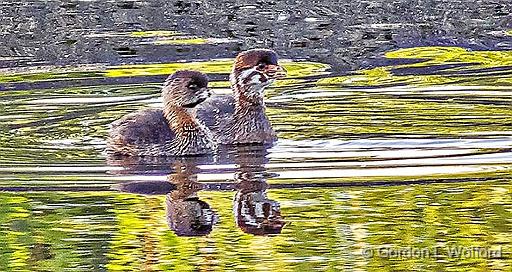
248	97
180	119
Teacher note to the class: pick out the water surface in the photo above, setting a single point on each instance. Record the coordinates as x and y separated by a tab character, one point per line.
413	151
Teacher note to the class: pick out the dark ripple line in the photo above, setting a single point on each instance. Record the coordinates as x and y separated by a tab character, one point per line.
229	186
91	81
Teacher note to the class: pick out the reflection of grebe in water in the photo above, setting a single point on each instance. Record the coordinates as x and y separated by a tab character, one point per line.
254	212
187	215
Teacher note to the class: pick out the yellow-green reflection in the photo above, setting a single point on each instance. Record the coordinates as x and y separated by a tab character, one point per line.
48	76
181	40
154	33
326	229
295	70
213	67
365	113
470	62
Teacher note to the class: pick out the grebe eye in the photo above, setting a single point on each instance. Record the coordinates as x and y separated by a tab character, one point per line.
261	66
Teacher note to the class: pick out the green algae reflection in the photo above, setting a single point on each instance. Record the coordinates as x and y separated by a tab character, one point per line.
298	69
363	113
326	229
154	33
295	69
455	65
161	37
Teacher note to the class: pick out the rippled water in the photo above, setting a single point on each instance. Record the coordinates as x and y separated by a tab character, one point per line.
412	153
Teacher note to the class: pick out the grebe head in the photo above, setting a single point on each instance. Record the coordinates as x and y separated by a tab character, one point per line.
186	89
254	70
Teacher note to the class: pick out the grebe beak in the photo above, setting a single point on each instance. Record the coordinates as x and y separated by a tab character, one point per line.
206	92
275	71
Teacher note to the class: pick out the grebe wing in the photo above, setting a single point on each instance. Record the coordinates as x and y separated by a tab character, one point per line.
215	110
142	127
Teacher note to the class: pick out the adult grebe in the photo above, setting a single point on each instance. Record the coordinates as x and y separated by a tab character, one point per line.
171	131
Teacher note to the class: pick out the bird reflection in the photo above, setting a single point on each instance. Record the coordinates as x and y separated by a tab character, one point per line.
254	212
187	215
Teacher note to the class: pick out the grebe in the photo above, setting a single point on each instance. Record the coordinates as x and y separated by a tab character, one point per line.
171	131
240	118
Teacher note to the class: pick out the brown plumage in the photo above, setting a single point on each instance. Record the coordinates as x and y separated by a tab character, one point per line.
240	118
171	131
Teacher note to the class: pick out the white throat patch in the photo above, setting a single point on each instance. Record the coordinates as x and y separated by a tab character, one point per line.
255	80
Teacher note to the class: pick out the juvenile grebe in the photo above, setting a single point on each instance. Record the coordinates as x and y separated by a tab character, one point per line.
171	131
240	118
